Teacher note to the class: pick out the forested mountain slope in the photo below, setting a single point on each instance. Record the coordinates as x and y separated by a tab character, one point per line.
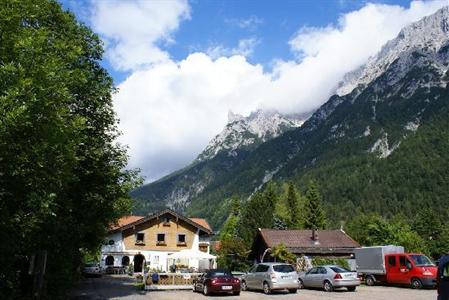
382	147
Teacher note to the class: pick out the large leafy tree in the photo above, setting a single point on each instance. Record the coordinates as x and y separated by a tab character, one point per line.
314	212
374	230
62	175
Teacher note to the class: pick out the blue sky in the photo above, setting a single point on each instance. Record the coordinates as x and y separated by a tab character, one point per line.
272	23
180	66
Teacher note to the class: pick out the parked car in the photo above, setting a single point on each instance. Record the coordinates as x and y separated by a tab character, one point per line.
271	276
328	278
91	269
391	265
239	275
217	281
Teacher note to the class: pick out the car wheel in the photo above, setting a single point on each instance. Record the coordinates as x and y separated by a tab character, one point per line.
327	286
351	288
236	293
301	284
369	280
266	288
206	290
194	288
416	283
292	291
244	286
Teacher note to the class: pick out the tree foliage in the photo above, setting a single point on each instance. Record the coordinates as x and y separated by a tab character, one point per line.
62	178
281	253
374	230
294	207
314	212
258	212
233	254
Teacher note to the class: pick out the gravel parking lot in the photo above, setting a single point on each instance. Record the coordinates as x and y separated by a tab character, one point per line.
122	287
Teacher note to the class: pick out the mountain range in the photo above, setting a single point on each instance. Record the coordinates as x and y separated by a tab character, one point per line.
380	144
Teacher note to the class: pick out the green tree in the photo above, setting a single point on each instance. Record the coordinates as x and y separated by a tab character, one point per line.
373	230
282	254
63	179
258	212
314	213
435	233
293	205
233	254
229	230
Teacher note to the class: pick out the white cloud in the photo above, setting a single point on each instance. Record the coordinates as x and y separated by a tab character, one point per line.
245	48
169	110
132	30
250	23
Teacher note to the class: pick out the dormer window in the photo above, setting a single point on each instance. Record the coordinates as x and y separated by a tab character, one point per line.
140	238
166	221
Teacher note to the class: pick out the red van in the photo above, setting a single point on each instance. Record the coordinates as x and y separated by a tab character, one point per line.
412	269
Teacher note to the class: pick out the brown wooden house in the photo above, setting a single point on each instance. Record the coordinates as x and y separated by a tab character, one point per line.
311	243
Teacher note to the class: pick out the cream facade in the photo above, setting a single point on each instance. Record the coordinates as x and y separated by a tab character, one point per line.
154	240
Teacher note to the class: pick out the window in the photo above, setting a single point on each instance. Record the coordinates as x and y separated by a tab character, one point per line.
140	238
339	269
421	260
392	261
402	260
166	221
156	260
181	239
313	271
262	268
322	270
283	268
160	239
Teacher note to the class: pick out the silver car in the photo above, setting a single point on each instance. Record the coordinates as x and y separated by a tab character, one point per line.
271	276
328	278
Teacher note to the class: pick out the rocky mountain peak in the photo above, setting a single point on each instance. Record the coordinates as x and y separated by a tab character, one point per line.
428	34
244	132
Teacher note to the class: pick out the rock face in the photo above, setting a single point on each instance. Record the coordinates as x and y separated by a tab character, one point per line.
249	132
429	34
380	144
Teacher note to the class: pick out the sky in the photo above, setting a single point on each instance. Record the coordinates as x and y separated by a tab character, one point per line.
180	66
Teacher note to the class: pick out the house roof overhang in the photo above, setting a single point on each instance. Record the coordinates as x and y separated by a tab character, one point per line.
158	215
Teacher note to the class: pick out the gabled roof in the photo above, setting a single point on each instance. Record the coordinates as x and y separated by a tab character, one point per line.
201	224
301	240
123	221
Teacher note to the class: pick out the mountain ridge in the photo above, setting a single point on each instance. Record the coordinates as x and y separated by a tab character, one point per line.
356	134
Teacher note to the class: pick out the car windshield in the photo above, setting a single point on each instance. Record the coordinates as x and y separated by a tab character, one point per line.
90	265
421	260
221	273
283	268
337	269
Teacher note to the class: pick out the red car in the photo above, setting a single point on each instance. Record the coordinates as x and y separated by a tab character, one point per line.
217	281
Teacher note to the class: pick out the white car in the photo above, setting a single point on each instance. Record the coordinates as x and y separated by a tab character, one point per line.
91	269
